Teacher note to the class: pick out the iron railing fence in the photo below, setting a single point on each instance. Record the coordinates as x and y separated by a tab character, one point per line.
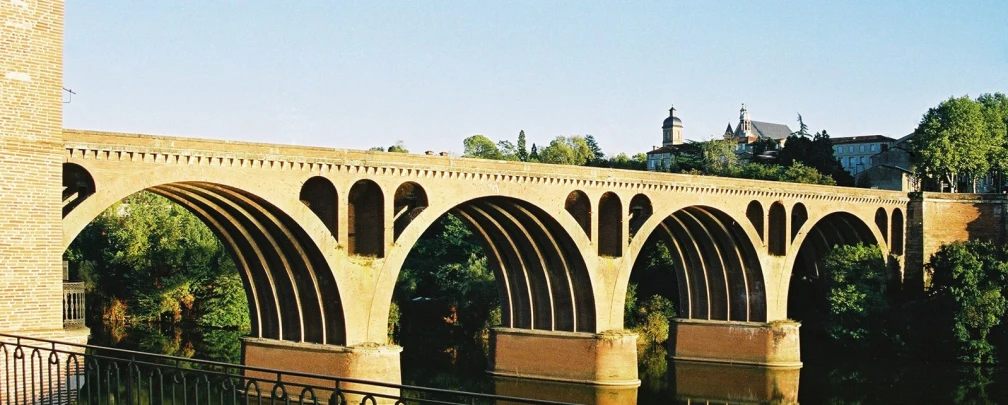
41	371
73	304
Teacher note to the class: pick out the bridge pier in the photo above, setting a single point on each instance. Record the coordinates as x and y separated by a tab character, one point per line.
768	344
608	358
370	362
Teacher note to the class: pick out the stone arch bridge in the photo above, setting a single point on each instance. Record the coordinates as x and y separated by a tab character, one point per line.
319	236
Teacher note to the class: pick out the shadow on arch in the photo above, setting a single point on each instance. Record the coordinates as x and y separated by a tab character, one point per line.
292	294
541	277
807	273
716	266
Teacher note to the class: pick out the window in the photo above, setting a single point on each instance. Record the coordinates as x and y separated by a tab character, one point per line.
850	148
862	160
839	149
874	147
861	148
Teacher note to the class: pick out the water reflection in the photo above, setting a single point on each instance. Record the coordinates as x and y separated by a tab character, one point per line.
565	392
663	381
174	340
728	383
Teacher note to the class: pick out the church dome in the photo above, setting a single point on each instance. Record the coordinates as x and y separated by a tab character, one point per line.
672	120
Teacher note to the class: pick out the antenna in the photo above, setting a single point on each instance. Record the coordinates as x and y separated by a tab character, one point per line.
70	96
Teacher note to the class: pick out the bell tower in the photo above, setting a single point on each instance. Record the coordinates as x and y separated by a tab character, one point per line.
672	129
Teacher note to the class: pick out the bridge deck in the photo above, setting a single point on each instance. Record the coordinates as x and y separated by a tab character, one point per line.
293	157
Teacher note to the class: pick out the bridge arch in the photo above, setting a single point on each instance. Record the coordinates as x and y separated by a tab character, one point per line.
814	241
78	185
319	194
882	222
718	268
409	200
610	219
292	292
580	207
639	211
896	241
366	219
542	277
754	212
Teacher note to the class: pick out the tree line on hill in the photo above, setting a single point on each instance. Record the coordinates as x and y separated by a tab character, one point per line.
960	141
809	160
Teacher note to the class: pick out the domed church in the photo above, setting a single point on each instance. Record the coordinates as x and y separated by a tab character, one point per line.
660	158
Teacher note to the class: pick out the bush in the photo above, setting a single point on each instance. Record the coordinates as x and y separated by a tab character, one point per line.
648	317
968	281
856	304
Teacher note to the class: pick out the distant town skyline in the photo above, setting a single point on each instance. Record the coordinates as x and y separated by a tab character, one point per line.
358	75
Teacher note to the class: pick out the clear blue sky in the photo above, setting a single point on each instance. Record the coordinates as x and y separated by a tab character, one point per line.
430	73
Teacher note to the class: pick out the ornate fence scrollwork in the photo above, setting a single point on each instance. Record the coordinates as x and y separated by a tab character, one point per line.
40	371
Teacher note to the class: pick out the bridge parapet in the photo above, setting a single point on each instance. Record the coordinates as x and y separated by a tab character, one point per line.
81	144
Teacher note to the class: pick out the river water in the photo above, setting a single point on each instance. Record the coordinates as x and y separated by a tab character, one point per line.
461	367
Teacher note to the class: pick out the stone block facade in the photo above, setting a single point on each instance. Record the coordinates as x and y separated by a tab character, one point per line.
31	147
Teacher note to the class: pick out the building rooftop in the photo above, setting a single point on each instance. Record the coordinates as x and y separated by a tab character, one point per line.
771	130
861	139
665	149
672	120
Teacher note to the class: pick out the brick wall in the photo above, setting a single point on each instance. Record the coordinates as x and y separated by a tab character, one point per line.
937	219
31	78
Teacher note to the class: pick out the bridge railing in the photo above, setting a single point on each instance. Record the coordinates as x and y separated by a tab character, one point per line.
41	371
73	305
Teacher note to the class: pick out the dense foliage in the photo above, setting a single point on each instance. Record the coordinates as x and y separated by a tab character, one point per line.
962	139
148	259
570	150
653	286
814	151
970	283
445	277
856	301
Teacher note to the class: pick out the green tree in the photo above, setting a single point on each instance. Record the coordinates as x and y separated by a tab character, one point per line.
969	280
571	150
799	173
651	293
796	173
717	156
995	111
814	151
856	303
523	154
377	148
479	146
156	260
763	145
399	147
507	150
955	139
225	304
533	154
598	156
448	265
